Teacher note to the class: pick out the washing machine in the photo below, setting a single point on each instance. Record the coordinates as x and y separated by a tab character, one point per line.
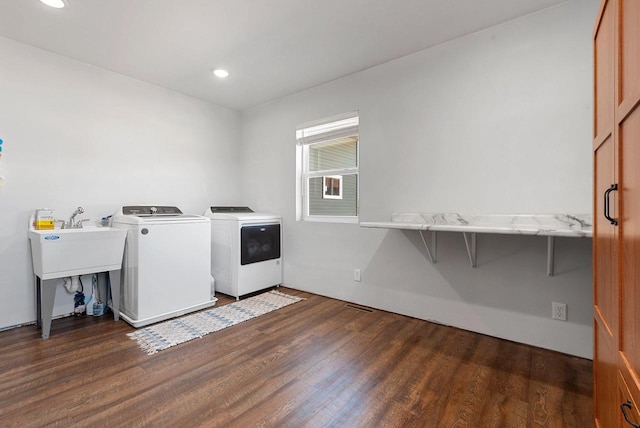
245	250
167	263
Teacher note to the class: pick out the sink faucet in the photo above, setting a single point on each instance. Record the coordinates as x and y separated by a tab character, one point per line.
73	224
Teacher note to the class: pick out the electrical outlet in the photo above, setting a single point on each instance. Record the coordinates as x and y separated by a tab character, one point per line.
356	275
559	311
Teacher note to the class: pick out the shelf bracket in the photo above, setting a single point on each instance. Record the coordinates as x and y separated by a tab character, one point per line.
471	242
550	255
433	252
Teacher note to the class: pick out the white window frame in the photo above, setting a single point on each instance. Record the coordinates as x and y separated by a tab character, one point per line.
319	132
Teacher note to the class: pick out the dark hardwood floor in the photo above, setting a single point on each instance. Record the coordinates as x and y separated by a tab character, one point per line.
317	363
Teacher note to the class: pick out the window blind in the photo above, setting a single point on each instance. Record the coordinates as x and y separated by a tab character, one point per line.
329	128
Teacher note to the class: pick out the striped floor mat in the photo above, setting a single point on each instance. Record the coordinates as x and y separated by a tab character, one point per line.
164	335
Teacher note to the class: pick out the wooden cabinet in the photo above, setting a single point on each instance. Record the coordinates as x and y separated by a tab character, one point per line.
616	243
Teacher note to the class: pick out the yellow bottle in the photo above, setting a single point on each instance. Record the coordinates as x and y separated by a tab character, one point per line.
45	219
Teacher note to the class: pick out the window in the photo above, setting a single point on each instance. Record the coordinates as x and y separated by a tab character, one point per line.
327	167
332	187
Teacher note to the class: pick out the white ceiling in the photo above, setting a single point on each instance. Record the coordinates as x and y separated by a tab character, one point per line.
272	48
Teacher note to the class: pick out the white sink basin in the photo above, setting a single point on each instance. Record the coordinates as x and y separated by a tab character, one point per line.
60	253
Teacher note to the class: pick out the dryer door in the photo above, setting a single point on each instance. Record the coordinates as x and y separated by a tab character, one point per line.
259	243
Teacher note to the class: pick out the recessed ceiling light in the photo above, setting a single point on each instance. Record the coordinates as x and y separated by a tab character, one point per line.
219	72
58	4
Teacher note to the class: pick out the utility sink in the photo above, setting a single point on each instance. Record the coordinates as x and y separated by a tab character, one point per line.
60	253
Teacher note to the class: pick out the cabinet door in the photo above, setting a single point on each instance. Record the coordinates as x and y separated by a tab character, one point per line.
627	118
605	240
604	70
629	413
605	292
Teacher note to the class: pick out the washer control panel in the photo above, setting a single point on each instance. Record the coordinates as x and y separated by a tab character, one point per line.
150	210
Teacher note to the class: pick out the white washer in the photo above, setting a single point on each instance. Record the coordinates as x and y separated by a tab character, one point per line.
245	250
167	263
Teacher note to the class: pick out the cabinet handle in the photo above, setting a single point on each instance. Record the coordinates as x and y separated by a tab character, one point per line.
624	407
614	221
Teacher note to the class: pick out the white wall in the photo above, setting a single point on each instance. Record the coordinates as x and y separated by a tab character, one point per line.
75	135
495	122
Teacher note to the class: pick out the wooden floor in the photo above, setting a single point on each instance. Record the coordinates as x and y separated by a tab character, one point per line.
317	363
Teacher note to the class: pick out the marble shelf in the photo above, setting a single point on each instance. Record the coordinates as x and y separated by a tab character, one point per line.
549	225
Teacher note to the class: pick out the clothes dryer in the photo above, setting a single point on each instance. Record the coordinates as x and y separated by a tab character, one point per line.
246	253
167	263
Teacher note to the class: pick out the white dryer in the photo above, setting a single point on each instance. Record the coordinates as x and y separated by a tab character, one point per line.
167	263
245	250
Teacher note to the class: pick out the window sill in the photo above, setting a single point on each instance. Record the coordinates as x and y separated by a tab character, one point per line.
351	220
